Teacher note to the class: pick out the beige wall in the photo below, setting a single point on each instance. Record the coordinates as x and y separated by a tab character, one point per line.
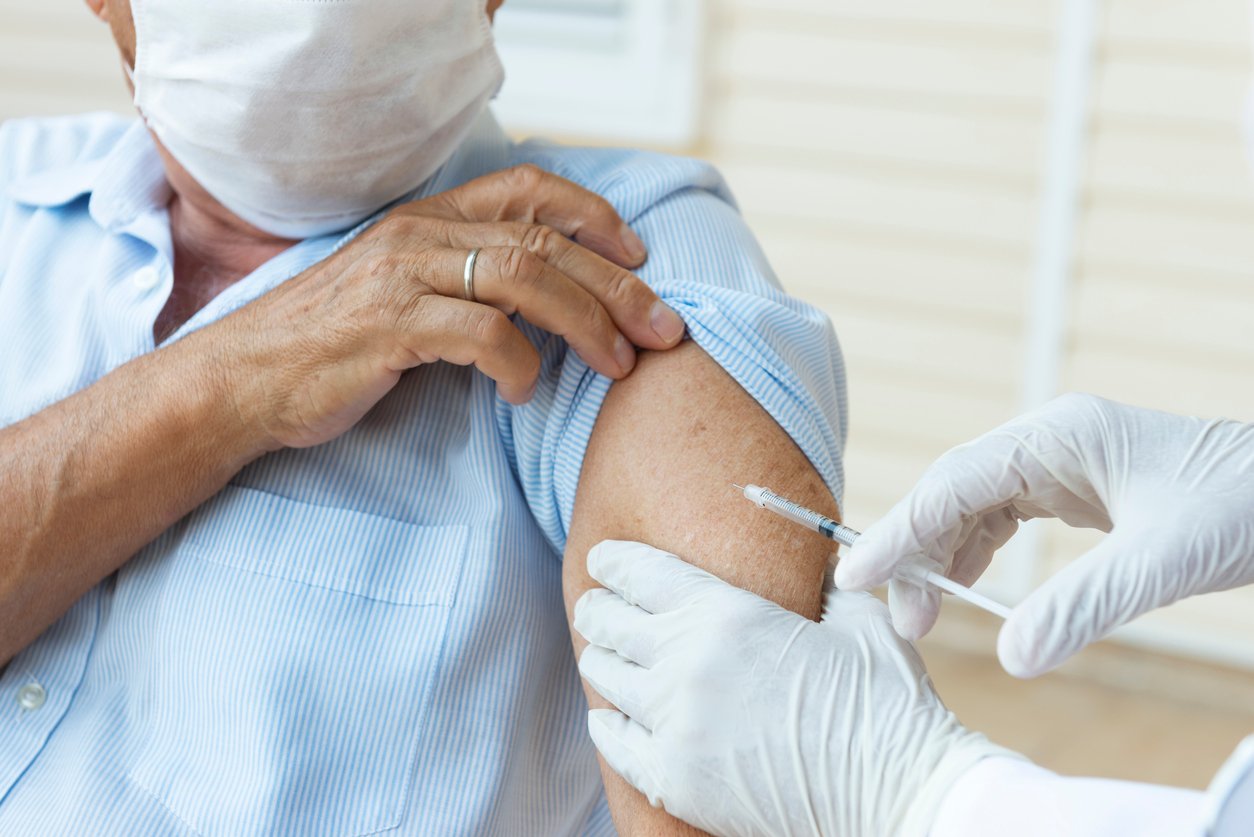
889	156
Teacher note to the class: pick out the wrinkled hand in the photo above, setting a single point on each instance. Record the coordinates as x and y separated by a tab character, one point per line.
311	357
1176	495
741	717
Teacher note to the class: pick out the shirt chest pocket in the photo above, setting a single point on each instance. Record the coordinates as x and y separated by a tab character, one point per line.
287	662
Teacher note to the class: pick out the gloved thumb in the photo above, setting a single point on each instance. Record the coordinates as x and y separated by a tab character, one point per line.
843	607
1108	586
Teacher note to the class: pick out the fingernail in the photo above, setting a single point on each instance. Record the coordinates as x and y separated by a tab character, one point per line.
624	353
632	244
666	323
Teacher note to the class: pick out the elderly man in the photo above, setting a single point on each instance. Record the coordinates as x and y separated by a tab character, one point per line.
274	557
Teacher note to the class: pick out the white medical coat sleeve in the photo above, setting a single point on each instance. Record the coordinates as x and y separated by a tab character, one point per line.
1000	796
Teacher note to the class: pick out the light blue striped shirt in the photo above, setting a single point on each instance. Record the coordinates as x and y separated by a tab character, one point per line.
368	635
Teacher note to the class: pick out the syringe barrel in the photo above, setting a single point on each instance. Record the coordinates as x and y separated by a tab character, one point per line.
812	520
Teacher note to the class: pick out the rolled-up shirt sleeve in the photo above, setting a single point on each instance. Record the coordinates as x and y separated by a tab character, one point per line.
704	262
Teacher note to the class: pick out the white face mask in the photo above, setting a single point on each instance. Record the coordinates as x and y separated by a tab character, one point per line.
303	117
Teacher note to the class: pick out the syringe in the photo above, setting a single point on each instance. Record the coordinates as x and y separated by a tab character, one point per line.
764	498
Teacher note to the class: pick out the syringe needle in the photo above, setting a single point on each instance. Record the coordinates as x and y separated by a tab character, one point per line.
842	534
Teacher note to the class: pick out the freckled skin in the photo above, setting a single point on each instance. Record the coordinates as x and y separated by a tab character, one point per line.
670	440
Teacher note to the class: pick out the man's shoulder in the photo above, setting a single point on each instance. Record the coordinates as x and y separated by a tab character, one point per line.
39	145
633	180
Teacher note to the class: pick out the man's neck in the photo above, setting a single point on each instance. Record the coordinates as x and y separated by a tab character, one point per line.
212	251
209	239
209	242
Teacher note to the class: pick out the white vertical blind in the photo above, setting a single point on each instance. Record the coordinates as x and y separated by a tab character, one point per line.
1053	266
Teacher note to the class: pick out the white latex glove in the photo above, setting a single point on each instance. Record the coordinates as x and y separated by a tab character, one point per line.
1176	495
741	717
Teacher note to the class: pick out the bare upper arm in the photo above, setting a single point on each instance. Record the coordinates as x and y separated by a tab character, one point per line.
669	441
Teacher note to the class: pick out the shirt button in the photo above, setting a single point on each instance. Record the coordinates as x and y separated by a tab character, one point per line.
31	696
146	278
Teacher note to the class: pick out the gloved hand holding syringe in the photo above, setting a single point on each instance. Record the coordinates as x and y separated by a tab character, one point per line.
766	499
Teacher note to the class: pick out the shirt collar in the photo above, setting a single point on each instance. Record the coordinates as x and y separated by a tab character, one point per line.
130	179
131	183
123	184
56	187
